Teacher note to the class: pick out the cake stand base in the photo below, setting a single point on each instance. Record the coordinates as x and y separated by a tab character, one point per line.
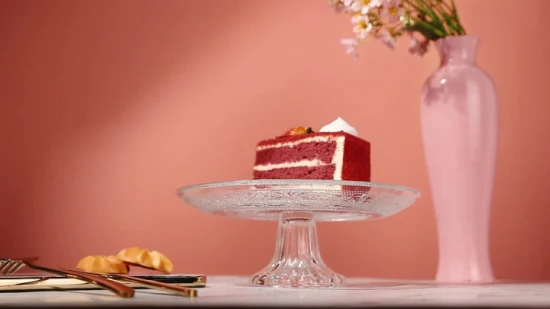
297	261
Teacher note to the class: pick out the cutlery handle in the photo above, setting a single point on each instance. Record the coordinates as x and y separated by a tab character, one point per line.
180	290
119	289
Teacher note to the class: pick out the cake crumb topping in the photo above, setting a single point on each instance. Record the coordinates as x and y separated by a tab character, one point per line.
298	131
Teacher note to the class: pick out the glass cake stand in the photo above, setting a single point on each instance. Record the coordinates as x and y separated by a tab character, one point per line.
298	205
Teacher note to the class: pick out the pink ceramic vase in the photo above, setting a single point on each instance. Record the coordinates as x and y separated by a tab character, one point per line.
459	124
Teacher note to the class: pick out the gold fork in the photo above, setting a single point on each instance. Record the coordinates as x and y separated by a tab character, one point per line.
8	266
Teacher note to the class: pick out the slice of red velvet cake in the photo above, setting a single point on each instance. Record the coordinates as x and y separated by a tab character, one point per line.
303	154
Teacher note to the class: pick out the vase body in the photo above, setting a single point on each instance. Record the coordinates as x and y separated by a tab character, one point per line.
459	123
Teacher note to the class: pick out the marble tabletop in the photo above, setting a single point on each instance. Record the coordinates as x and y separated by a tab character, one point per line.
234	291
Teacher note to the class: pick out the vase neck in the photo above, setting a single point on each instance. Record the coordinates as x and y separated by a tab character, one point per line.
457	49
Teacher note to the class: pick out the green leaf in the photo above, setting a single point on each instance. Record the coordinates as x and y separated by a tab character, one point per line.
427	30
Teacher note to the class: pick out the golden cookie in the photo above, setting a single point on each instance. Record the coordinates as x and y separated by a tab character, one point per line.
146	258
103	264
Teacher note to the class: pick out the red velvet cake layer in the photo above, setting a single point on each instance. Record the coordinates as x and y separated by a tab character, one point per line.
314	159
356	163
318	172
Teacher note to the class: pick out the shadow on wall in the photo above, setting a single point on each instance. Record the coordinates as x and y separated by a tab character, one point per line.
72	67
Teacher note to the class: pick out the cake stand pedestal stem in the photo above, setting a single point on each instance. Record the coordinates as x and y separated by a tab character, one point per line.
297	261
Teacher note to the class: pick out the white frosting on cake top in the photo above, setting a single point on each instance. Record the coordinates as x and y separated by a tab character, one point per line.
339	125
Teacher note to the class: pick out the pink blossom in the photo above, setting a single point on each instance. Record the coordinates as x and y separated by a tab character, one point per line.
392	9
417	46
362	26
351	46
338	5
362	6
387	39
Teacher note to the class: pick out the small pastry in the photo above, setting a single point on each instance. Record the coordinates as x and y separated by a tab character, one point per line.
103	265
146	258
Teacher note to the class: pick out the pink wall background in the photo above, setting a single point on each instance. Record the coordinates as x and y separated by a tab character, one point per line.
109	106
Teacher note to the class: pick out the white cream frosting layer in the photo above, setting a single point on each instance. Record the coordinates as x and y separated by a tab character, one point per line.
314	139
339	125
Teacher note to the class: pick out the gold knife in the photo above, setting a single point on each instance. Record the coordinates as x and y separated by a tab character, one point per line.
173	288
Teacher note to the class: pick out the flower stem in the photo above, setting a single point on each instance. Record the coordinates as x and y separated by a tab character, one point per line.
443	19
452	25
462	31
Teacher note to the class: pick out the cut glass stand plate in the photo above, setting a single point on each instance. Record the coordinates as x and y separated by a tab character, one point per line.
297	205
